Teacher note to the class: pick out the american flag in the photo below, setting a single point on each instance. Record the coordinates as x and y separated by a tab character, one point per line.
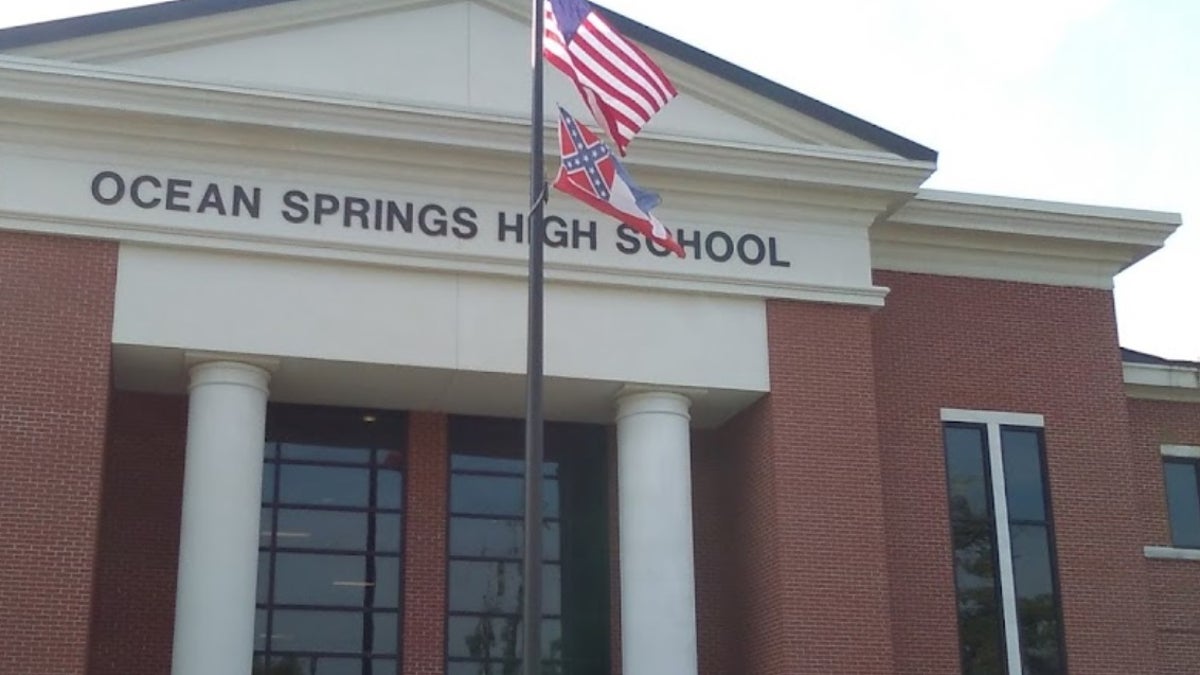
620	84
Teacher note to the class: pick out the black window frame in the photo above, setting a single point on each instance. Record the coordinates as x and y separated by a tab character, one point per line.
364	431
1194	463
503	439
1049	523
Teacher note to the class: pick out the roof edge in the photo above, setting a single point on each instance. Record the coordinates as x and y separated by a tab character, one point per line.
178	10
1142	358
129	18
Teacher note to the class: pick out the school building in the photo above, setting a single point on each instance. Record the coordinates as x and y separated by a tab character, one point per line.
262	352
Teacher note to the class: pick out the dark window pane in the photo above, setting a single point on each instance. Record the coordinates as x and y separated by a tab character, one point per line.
485	538
323	453
487	495
1023	478
335	665
389	492
307	631
483	638
496	667
392	460
1037	601
284	665
339	580
516	467
485	586
979	617
260	630
387	633
323	485
385	666
499	496
495	587
262	588
268	488
489	538
966	468
1183	503
486	504
335	530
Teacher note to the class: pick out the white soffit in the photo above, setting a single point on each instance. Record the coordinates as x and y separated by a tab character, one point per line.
466	55
1175	382
960	234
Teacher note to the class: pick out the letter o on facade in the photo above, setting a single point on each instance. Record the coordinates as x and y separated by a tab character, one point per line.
748	243
726	243
115	193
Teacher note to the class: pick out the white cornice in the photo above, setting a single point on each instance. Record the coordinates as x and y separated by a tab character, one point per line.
1016	239
64	86
1162	382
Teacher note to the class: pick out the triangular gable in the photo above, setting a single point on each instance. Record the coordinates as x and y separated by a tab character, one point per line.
463	55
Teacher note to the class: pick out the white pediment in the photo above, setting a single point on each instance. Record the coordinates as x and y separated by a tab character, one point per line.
467	55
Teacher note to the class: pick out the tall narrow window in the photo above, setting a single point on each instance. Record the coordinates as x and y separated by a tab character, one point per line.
330	554
1181	473
487	540
1009	612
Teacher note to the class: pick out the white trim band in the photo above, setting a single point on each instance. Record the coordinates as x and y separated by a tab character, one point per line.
1181	451
1171	553
993	417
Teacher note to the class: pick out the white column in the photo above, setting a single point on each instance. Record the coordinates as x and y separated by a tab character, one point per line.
658	587
218	547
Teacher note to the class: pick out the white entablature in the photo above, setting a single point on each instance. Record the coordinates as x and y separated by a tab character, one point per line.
206	142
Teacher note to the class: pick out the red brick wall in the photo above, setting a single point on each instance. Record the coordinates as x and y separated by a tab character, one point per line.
990	345
425	545
808	522
56	301
711	525
755	604
1174	585
137	559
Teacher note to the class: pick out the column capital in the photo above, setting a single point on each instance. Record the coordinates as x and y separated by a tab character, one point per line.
641	400
206	369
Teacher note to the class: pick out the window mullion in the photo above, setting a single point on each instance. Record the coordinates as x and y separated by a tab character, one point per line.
1008	594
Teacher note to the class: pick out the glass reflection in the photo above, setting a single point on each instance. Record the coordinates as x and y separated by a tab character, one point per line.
333	530
967	474
1037	608
486	542
495	587
323	453
498	538
330	548
498	496
981	636
1183	503
1023	474
323	485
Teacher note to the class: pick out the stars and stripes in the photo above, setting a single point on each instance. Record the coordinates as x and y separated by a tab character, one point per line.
621	85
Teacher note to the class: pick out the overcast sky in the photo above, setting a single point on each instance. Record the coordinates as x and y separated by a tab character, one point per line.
1093	101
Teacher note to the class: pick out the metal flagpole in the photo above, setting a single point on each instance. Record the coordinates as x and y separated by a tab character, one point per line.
531	621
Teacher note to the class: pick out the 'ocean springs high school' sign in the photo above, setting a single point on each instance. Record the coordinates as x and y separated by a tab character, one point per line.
392	217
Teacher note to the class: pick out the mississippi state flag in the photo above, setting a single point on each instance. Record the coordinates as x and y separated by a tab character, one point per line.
618	82
591	173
